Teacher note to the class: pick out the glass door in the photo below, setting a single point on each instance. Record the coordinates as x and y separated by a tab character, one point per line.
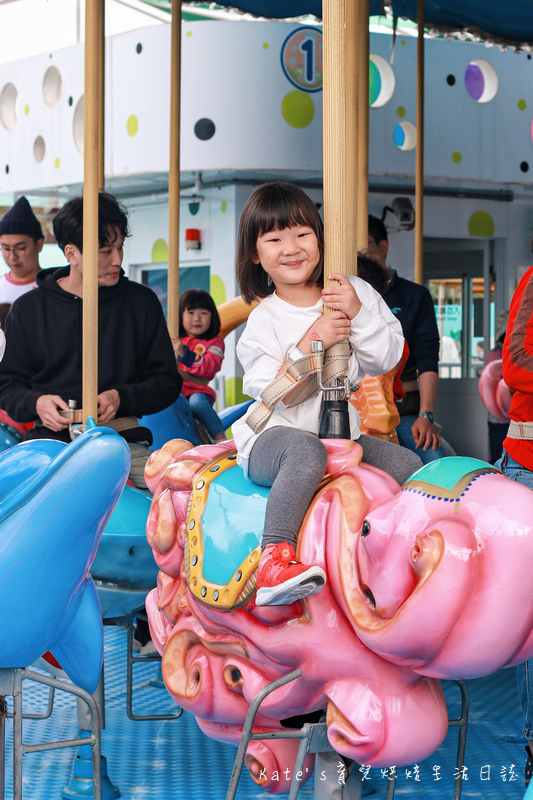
460	279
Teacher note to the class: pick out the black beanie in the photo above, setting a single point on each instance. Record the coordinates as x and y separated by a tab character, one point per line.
21	219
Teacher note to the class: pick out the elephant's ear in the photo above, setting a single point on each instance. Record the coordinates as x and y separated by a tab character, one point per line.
446	563
358	731
387	718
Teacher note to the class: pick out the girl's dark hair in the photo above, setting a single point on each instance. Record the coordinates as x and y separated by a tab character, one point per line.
199	298
273	206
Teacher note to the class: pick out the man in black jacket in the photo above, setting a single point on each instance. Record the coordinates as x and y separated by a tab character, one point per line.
41	371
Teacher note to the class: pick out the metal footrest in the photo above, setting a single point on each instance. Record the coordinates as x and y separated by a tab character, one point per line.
133	659
11	686
314	739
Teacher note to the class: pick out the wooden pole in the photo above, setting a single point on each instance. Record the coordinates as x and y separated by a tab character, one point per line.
94	72
174	174
363	115
101	95
340	137
419	176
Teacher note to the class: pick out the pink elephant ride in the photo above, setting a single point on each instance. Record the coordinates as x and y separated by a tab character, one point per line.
424	582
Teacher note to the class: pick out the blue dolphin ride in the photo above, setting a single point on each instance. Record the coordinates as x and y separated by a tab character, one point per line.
55	500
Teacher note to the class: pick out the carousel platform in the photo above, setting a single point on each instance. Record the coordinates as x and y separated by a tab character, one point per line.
173	760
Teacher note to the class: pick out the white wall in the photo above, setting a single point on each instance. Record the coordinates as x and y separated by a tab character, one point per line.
232	75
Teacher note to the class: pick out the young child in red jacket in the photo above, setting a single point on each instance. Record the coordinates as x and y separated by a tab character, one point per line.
199	352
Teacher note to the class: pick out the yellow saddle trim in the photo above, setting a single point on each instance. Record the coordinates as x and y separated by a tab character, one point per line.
242	584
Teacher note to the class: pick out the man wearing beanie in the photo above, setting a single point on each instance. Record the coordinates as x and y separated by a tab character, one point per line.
21	241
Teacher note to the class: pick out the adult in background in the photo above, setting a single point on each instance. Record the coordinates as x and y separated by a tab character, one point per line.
413	306
517	458
21	241
42	369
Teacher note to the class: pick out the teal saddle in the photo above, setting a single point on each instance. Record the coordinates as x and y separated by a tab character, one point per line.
225	521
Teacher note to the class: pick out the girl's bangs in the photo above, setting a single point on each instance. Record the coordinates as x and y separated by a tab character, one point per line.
284	213
197	298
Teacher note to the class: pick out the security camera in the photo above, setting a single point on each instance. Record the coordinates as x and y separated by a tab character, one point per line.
403	209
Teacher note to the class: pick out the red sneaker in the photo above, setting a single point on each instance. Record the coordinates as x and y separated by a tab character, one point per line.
282	580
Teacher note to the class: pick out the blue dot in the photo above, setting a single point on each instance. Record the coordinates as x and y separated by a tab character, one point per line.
399	136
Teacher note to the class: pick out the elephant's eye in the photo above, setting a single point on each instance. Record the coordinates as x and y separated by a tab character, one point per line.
365	530
232	677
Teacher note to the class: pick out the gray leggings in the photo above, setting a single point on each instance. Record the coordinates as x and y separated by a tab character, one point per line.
293	463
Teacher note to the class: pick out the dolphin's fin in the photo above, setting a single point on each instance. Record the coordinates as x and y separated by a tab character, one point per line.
81	648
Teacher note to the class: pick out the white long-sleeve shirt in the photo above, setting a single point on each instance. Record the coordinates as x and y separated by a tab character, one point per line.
274	327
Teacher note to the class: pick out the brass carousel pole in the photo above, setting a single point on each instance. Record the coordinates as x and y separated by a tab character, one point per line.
174	174
363	120
419	176
101	95
340	173
92	174
340	135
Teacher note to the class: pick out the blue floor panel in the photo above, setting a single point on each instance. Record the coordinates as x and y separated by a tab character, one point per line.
173	760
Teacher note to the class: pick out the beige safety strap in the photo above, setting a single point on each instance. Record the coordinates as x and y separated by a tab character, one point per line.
520	430
121	424
333	363
75	417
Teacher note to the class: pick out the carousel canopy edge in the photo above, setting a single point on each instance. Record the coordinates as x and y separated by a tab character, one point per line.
510	22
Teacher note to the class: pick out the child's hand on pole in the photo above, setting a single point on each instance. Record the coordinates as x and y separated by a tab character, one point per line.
341	297
177	344
331	329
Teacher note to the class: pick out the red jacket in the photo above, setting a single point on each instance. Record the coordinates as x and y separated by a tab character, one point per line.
203	358
518	366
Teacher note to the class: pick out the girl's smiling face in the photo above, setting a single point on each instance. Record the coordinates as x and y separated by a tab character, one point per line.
196	321
288	256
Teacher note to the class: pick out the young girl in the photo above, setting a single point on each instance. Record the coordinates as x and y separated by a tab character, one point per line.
280	258
199	352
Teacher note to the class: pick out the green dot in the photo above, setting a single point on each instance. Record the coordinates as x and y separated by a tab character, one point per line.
159	252
298	109
234	393
217	290
132	125
481	224
457	157
401	112
403	42
265	45
522	105
26	110
223	206
374	83
57	162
